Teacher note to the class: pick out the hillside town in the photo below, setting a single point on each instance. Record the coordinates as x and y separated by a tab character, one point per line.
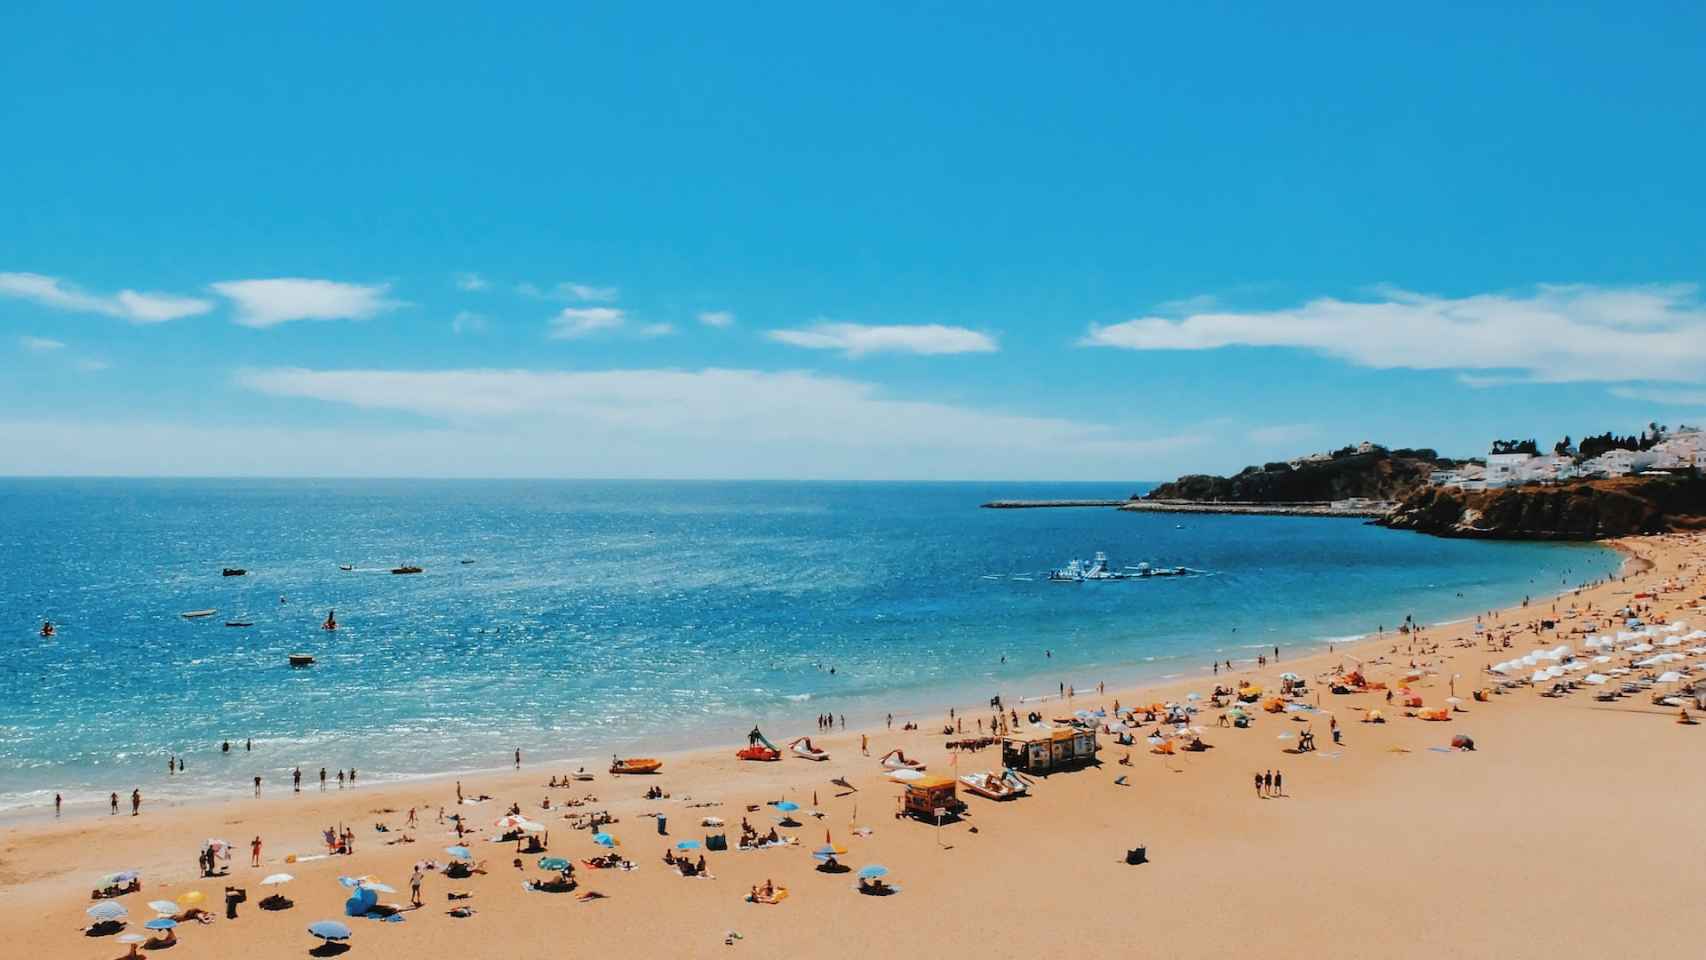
1513	463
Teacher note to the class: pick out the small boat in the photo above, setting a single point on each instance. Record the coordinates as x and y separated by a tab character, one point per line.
406	569
580	775
466	562
197	614
233	572
895	760
302	659
635	765
802	748
346	566
989	785
239	623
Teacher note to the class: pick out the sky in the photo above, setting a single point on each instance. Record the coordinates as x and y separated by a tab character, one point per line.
887	241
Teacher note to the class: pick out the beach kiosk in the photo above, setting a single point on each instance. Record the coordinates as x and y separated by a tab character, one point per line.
931	798
1046	751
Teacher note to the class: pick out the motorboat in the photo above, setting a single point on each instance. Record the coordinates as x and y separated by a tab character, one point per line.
302	659
406	568
802	747
239	623
346	566
197	614
1003	786
635	765
233	572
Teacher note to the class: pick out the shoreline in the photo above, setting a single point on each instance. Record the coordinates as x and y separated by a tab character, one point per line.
1127	676
1389	811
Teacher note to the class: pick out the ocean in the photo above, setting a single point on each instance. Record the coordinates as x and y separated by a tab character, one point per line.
604	617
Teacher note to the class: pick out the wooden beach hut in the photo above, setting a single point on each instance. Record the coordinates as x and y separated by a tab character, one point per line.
1045	751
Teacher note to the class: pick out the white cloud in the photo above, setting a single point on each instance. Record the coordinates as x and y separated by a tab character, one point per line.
705	423
268	303
467	321
574	323
1550	334
40	344
656	330
717	318
126	304
570	290
1664	395
92	365
857	339
471	282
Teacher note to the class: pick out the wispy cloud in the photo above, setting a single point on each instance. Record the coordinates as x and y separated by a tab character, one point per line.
467	321
1669	396
720	319
126	304
654	330
717	423
570	290
470	282
1552	333
92	365
857	339
268	303
573	323
40	344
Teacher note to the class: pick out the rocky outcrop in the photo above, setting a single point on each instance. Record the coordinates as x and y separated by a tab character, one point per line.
1587	510
1373	476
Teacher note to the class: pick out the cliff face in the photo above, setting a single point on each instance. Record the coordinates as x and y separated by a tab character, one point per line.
1376	476
1588	510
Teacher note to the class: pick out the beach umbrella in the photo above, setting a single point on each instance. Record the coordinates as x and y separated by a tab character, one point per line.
1670	676
605	840
107	911
1453	700
161	923
531	826
509	822
1539	677
1288	675
329	930
119	878
350	883
787	806
553	863
166	907
873	871
1595	678
131	938
191	899
829	850
460	853
277	879
905	774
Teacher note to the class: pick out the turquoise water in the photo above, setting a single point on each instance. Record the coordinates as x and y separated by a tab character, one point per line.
599	615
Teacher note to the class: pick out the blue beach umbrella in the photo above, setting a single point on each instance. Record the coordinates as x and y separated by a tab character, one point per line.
349	883
107	911
873	871
604	839
553	863
161	923
329	930
787	806
460	853
687	845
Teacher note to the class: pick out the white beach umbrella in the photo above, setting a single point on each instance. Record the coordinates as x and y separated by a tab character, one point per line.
1640	648
1670	676
905	774
1594	678
277	879
1539	677
1602	658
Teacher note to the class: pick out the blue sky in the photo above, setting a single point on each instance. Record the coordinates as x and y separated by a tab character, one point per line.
893	241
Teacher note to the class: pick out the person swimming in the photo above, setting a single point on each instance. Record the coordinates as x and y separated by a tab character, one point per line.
47	628
331	620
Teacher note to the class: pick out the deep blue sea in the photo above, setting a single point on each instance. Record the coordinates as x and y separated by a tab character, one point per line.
599	616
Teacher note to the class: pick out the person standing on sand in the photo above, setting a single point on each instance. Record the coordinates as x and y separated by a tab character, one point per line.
257	784
415	886
458	791
1279	784
135	802
864	744
1258	786
1268	783
255	852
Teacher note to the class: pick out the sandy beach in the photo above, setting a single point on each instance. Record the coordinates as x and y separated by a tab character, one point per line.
1570	831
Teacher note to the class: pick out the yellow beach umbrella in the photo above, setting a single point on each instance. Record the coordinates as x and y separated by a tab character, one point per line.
192	899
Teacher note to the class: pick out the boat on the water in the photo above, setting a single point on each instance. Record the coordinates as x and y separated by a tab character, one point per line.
406	568
1098	568
346	566
239	623
1003	786
635	765
466	562
302	659
233	572
197	614
802	747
